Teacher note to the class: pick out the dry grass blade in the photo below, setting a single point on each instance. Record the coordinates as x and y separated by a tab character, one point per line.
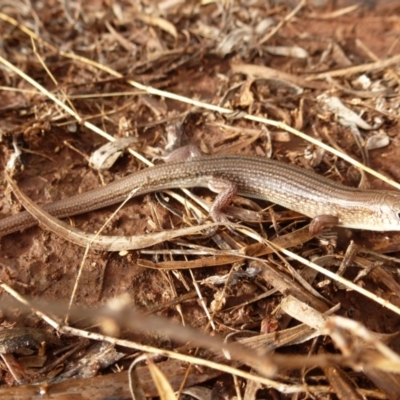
260	71
164	388
342	281
222	257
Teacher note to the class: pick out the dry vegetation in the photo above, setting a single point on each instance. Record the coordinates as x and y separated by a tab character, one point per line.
296	316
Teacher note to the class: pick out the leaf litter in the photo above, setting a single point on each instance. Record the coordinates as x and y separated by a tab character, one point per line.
315	85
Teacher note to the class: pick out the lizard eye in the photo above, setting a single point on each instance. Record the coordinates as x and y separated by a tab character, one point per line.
395	207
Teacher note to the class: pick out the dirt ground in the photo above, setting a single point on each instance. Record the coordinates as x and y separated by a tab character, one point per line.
85	55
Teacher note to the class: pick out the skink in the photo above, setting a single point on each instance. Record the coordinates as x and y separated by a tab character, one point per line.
256	177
